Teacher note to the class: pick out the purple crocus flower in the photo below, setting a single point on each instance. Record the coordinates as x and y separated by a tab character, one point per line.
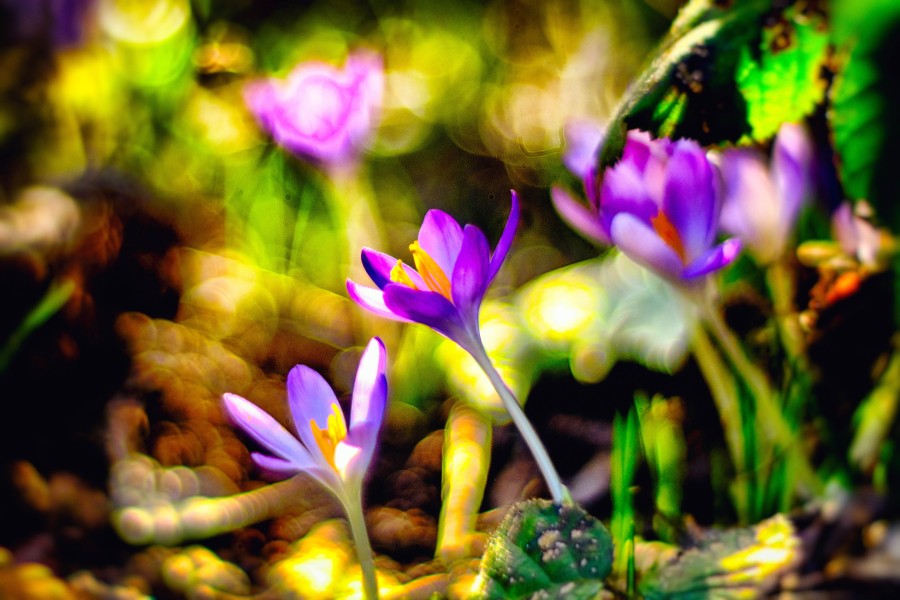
762	201
319	112
660	205
453	269
327	449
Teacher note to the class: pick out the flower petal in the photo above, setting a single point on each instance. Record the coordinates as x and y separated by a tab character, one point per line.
506	238
351	458
624	190
372	300
268	432
750	210
441	237
714	259
370	386
378	265
470	276
792	160
643	245
578	216
583	138
690	198
310	398
427	308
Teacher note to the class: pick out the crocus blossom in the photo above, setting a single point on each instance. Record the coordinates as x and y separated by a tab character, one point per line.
453	269
762	201
320	112
328	449
660	205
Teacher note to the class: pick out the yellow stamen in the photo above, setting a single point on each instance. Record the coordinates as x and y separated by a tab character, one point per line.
431	273
335	431
669	234
398	275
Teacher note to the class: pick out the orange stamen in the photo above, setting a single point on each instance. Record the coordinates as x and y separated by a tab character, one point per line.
669	234
399	275
431	273
335	431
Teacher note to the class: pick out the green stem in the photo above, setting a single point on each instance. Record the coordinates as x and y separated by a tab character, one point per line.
363	548
769	416
551	477
724	392
780	281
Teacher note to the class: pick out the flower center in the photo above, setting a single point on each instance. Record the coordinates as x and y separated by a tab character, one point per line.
432	274
335	431
669	234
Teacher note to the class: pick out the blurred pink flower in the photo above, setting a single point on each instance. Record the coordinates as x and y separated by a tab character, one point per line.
762	200
319	112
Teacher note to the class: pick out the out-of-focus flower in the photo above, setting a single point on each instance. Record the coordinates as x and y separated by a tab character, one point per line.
762	201
454	267
582	141
660	205
858	237
320	112
329	450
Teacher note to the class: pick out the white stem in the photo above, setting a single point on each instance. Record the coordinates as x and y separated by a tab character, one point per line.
551	477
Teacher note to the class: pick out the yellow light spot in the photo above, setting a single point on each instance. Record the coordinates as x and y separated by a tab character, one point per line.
431	273
669	234
334	432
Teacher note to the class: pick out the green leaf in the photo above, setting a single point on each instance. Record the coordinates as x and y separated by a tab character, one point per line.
733	563
727	72
545	550
866	92
781	80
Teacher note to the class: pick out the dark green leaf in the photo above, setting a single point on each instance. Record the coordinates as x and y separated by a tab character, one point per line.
728	72
866	92
544	550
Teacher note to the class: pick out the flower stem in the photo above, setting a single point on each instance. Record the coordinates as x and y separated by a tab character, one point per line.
363	548
551	477
769	416
780	281
724	392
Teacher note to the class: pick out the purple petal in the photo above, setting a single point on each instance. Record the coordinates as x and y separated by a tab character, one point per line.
441	237
642	244
372	300
624	191
714	259
425	307
690	200
268	432
583	138
470	276
637	150
750	210
792	160
378	265
843	225
506	238
282	469
578	216
370	387
310	398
